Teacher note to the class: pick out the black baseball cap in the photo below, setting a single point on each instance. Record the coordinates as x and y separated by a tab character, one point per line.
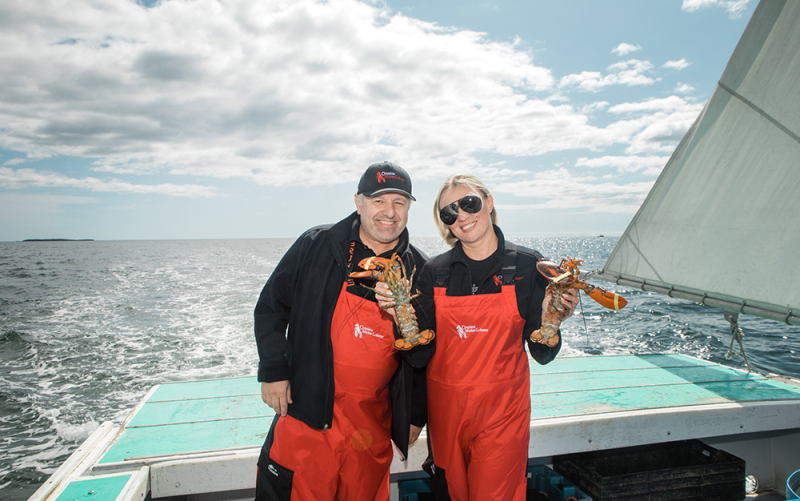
385	177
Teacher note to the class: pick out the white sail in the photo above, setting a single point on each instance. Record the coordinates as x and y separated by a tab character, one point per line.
722	222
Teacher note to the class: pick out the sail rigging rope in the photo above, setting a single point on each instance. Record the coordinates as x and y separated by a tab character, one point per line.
736	335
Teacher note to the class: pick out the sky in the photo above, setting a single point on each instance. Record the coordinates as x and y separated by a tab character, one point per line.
205	119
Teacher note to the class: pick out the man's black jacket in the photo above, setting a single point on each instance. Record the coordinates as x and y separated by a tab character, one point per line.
302	293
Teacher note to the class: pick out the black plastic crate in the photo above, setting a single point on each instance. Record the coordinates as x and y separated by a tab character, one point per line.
687	470
543	485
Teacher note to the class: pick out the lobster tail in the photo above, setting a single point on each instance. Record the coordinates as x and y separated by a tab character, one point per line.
548	334
422	338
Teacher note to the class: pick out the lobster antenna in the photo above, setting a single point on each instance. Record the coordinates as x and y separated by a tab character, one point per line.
586	275
585	328
360	302
415	300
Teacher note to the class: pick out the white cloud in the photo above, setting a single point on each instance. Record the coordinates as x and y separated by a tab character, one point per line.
24	178
655	125
683	88
631	72
286	93
676	65
560	189
668	104
624	49
276	92
735	8
650	165
595	107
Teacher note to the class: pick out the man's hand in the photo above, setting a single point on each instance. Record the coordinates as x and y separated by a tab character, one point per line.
383	300
277	395
414	434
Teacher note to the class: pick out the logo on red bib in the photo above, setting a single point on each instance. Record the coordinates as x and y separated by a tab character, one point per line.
361	330
465	331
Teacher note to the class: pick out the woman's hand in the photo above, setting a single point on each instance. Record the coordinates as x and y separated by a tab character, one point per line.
569	298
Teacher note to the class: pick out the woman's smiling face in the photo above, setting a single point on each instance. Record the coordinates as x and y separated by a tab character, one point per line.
469	228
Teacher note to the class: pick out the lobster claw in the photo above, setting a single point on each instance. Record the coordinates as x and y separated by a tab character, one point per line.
555	273
375	263
374	266
566	275
610	300
562	277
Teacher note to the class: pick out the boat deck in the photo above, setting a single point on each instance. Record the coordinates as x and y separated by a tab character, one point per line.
182	432
194	417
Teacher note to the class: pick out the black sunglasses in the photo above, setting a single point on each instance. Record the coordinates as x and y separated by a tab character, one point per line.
471	204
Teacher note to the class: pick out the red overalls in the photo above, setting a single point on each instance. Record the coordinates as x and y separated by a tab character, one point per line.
479	396
350	461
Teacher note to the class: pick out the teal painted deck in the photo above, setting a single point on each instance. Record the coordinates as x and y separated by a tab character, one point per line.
591	385
220	414
95	489
194	416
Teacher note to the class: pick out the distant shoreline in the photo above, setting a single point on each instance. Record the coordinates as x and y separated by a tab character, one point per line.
59	240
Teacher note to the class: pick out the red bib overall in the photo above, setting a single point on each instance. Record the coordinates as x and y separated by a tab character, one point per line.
479	403
351	460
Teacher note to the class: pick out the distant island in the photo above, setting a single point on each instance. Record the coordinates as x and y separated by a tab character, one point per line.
58	240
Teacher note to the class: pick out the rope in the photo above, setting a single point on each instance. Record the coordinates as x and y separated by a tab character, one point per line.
737	334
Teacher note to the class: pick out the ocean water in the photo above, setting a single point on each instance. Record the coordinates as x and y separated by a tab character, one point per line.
86	328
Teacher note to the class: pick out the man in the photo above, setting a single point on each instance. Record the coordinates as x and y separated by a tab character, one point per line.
339	389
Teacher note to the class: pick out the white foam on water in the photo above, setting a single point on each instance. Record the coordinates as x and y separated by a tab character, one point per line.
75	433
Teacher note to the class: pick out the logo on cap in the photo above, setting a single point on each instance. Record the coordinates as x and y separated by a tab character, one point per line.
382	175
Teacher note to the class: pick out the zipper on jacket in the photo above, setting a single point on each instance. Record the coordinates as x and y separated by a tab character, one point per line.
340	262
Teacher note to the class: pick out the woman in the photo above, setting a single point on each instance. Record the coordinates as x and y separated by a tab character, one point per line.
482	298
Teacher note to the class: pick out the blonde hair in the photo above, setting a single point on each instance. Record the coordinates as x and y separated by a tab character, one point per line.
468	181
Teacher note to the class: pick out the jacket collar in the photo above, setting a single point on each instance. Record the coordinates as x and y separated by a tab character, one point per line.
461	257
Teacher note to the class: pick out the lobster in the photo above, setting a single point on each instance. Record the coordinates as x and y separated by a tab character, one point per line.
392	272
563	277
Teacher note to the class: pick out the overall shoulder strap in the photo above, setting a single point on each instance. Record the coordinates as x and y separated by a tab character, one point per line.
441	275
509	263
